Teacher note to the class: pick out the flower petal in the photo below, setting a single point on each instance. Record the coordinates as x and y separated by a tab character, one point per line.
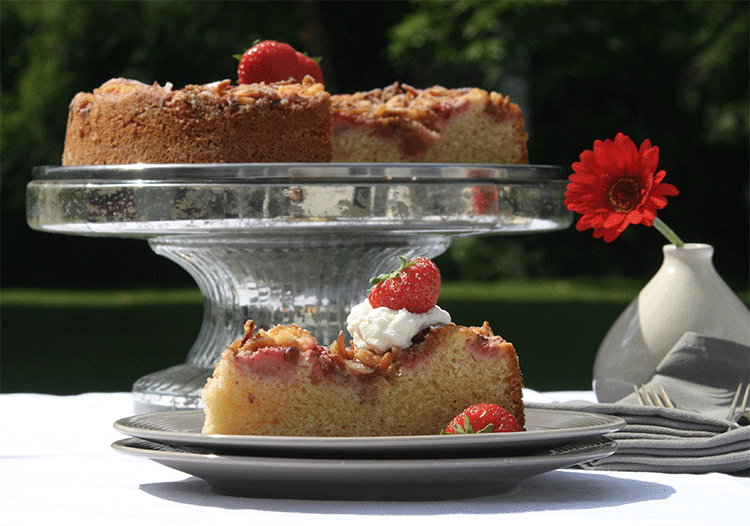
628	153
612	220
634	217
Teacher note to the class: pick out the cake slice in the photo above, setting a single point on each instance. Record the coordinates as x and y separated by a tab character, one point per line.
282	382
436	125
125	122
407	371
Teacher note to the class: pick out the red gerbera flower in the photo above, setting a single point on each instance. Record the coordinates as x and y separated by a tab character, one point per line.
617	185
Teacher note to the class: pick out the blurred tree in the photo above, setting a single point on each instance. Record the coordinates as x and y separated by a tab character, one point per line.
674	72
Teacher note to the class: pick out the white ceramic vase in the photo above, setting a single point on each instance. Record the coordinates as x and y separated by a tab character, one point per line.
685	295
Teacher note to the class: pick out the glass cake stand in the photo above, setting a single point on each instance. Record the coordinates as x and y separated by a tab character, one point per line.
286	243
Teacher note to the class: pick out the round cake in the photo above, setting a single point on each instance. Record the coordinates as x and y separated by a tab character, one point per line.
125	122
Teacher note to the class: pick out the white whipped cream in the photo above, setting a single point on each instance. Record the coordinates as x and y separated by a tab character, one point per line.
382	328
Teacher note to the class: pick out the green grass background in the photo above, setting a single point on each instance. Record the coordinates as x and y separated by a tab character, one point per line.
67	342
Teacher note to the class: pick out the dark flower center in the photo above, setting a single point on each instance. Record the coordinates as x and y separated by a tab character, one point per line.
624	195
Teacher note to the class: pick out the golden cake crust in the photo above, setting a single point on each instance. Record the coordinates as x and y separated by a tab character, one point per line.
281	382
402	124
125	121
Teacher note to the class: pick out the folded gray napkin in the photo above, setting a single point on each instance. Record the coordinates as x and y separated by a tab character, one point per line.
700	375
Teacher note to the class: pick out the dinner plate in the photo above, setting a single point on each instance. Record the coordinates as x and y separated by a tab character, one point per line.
366	479
545	428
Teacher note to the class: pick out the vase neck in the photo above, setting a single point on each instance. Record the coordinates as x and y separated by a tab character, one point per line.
689	251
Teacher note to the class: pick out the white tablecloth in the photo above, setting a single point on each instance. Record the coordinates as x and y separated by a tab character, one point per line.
57	467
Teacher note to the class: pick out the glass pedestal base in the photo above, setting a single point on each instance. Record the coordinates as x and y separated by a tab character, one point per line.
310	281
178	387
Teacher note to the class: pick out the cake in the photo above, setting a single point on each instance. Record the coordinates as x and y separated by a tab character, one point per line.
282	382
126	122
436	125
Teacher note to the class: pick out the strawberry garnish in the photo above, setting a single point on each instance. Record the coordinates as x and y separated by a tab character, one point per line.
271	61
482	418
414	286
309	66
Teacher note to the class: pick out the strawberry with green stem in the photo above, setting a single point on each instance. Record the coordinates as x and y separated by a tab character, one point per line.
414	286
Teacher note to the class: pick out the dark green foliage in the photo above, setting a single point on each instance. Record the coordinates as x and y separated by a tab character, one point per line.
674	72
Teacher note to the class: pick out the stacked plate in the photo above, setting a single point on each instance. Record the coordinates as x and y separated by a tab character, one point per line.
431	467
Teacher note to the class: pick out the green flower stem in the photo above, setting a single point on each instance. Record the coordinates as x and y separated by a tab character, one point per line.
667	232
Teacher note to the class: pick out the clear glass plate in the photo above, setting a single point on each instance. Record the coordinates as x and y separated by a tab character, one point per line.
154	200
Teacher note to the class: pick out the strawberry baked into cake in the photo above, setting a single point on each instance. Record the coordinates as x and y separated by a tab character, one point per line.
407	370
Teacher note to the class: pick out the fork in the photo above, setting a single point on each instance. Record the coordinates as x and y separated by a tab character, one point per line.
738	412
660	399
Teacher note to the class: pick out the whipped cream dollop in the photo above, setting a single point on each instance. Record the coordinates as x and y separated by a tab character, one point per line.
379	329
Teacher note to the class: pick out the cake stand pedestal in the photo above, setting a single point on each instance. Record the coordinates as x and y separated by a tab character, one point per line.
286	243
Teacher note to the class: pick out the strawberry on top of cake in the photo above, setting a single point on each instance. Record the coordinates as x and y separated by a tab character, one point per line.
271	61
399	306
280	112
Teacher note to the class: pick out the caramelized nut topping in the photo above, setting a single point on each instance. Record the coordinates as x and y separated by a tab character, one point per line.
385	362
405	102
368	358
359	368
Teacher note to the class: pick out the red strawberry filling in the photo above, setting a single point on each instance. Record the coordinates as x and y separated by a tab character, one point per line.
270	362
414	139
483	347
360	369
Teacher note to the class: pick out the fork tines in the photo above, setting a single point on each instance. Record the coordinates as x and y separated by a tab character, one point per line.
737	406
649	396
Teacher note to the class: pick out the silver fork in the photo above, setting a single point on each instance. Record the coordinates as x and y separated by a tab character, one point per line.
738	412
649	396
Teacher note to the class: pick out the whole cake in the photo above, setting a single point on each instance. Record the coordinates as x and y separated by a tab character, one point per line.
125	122
402	124
404	373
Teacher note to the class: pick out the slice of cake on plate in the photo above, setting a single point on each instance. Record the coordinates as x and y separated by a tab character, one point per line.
404	373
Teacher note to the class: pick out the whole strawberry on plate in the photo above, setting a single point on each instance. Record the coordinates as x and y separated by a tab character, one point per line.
482	418
270	61
414	286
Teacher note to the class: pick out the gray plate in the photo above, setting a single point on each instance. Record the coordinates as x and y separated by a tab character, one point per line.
366	479
546	428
